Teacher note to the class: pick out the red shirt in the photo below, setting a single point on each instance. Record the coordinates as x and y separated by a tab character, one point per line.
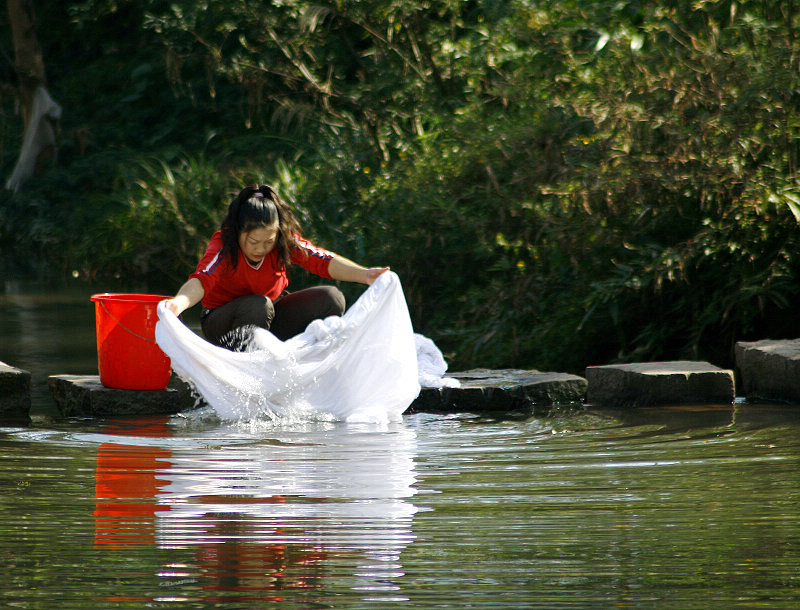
222	283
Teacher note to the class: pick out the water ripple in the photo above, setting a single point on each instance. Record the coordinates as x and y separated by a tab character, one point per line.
574	509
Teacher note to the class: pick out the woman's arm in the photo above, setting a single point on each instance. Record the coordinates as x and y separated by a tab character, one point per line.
189	294
346	270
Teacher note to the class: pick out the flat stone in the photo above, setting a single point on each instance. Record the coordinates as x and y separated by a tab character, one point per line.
15	395
481	390
84	395
659	383
501	390
769	369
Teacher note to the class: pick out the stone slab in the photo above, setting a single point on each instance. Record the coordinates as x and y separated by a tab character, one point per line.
482	390
84	395
15	395
769	369
659	383
485	390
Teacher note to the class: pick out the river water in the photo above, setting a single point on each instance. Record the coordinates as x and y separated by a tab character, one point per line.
575	507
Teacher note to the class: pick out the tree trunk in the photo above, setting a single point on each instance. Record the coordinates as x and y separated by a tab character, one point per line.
40	114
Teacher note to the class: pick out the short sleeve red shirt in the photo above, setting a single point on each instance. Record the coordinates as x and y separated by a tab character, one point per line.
223	283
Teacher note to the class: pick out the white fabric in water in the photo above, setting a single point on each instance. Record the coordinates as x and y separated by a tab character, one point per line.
360	367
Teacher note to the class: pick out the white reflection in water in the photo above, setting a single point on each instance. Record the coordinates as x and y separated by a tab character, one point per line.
322	502
336	486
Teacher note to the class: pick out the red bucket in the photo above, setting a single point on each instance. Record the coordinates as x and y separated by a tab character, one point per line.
128	357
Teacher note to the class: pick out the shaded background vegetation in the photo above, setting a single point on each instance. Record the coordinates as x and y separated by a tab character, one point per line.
557	183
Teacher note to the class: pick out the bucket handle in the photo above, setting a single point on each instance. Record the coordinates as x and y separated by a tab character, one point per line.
121	325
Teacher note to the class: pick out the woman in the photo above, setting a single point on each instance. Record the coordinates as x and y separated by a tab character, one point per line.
242	278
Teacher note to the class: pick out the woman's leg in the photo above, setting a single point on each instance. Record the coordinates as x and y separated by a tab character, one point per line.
297	310
249	310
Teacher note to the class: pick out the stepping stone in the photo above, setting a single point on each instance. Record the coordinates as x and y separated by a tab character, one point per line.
84	395
15	395
769	369
659	383
481	390
501	390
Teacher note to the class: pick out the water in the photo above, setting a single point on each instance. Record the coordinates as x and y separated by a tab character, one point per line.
47	332
652	508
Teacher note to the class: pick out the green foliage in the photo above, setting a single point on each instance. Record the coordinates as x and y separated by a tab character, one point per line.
557	183
163	220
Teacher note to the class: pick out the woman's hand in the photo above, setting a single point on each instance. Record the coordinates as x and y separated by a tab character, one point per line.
346	270
372	274
174	306
189	294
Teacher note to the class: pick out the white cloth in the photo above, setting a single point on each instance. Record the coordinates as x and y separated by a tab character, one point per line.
360	367
431	365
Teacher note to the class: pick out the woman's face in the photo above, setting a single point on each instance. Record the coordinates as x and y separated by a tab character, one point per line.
256	244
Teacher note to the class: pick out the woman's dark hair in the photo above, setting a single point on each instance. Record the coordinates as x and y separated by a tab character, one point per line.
255	207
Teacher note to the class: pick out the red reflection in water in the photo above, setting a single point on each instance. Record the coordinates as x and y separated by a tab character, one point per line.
244	567
126	485
230	558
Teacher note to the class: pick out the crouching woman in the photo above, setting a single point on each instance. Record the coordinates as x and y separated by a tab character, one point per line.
242	280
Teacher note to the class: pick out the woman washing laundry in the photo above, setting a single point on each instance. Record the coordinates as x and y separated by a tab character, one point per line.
241	280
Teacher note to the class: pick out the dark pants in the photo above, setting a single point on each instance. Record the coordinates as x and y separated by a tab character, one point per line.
285	318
